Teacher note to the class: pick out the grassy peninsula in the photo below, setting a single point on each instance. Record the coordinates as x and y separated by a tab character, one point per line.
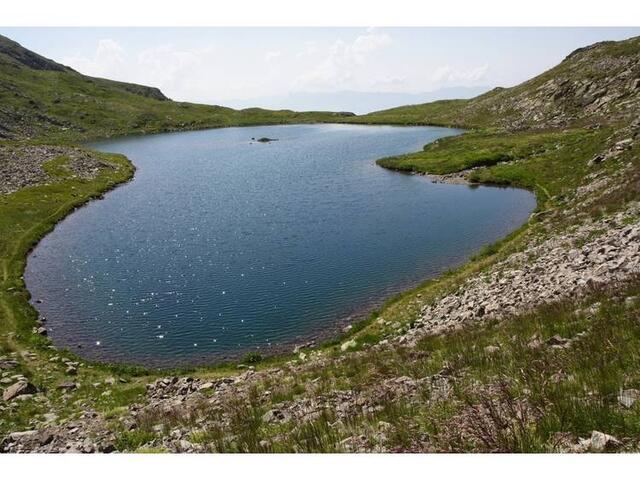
533	345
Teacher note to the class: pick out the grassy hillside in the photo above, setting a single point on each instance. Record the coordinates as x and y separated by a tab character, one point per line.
530	346
543	134
41	98
599	83
28	214
547	162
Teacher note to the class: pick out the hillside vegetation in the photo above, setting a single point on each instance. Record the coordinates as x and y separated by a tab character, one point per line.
530	346
599	83
41	98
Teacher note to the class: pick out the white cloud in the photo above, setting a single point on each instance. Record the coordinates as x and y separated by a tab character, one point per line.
179	73
370	43
341	63
392	80
447	74
272	55
170	68
217	71
107	59
310	48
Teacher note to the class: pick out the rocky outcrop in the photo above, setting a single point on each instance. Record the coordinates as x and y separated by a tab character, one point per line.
23	166
564	266
548	268
594	83
27	58
21	387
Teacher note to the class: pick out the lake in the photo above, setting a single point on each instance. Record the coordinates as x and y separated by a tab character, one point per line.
222	245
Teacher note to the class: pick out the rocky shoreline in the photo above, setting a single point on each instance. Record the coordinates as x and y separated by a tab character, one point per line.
564	266
546	270
23	166
568	263
533	347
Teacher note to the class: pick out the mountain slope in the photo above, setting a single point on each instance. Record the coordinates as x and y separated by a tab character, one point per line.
39	97
599	83
531	346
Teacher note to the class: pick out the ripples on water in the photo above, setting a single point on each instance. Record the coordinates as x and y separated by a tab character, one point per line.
221	245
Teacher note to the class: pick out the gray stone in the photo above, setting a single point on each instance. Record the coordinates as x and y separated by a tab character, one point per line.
276	416
557	341
627	398
7	364
19	388
206	386
21	436
601	442
491	349
67	386
348	345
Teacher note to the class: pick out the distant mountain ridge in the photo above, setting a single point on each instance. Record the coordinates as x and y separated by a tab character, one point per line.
22	56
32	60
40	97
357	101
598	83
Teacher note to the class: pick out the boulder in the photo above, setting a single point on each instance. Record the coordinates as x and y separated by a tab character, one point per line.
491	349
348	345
557	341
21	387
21	436
67	386
276	416
601	442
6	364
627	398
206	386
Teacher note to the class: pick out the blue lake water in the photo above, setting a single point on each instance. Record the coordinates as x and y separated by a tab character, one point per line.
221	245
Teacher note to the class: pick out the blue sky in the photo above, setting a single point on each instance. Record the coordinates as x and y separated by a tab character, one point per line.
232	66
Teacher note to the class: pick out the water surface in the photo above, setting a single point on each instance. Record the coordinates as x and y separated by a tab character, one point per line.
221	245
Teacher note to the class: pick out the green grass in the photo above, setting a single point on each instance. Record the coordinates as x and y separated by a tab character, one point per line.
132	441
445	113
571	390
57	167
67	106
26	216
529	394
551	160
252	358
516	399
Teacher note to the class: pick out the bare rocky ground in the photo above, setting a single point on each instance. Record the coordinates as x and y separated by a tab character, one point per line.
601	91
23	166
554	269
